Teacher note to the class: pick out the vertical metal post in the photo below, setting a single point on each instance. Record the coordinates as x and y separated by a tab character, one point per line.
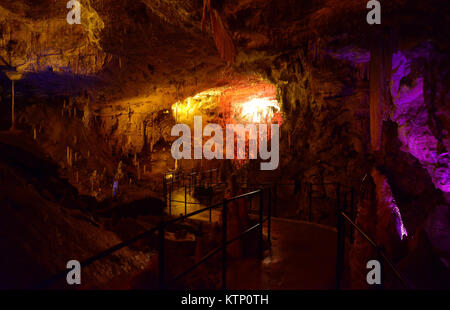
380	250
310	201
165	190
13	124
275	203
161	256
352	211
210	209
344	209
185	201
261	210
224	245
340	239
190	183
170	198
269	215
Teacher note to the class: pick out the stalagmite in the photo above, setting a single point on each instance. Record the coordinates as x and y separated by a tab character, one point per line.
93	178
68	156
139	171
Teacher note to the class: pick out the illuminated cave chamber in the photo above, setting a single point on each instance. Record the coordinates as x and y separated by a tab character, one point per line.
85	138
252	101
244	102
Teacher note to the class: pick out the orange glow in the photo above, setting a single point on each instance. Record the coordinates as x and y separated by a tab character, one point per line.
259	109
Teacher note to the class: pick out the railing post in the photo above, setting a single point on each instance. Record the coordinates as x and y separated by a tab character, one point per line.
340	239
170	197
380	250
165	190
190	183
352	213
269	215
261	210
275	202
185	201
210	209
161	256
224	245
310	201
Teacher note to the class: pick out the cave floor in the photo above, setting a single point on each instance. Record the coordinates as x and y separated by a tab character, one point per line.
302	256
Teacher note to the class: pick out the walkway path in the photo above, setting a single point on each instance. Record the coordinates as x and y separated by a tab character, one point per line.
302	256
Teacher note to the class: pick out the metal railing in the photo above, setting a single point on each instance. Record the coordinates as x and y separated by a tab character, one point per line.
345	197
189	181
344	217
225	242
312	191
161	229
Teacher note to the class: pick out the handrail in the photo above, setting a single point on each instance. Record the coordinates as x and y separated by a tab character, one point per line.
160	227
212	253
403	280
99	256
225	242
217	205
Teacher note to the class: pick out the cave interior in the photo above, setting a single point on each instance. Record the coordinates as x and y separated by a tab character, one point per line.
356	117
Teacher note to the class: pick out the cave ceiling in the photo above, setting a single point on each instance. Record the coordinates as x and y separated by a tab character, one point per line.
129	50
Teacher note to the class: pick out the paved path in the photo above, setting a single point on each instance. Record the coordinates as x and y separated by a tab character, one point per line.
302	256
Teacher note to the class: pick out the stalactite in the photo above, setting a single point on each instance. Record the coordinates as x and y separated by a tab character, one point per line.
223	40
